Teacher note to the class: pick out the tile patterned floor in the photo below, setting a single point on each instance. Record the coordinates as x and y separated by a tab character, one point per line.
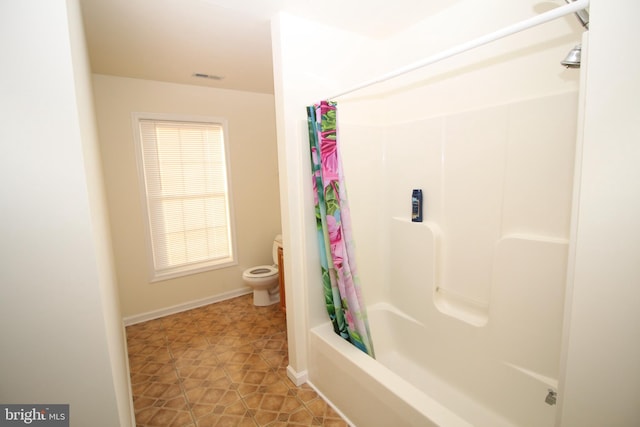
219	365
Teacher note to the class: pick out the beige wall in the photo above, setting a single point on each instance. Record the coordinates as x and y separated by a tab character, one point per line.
254	181
62	334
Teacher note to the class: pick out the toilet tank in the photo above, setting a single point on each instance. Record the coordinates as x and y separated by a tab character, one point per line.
277	243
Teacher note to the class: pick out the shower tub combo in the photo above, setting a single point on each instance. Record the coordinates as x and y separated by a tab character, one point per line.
445	371
465	308
448	371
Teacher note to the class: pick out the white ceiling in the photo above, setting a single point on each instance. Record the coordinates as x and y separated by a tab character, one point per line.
170	40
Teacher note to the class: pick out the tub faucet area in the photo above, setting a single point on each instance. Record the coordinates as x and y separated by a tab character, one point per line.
551	397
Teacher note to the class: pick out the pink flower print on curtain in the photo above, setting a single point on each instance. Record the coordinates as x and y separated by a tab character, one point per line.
343	297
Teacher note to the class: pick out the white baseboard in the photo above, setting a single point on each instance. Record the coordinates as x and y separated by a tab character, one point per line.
298	378
150	315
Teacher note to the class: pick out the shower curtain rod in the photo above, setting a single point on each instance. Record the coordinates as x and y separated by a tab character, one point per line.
488	38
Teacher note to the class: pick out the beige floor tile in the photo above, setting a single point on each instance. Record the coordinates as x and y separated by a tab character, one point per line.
219	365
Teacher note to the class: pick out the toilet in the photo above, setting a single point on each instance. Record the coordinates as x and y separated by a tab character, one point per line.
263	279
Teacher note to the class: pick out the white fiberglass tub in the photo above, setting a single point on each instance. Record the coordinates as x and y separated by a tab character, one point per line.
417	380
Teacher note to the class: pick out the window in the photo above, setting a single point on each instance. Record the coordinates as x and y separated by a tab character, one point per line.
184	172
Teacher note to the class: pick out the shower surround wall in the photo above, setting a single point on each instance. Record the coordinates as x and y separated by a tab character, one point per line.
497	188
478	287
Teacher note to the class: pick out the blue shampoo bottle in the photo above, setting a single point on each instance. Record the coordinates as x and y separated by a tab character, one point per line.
416	205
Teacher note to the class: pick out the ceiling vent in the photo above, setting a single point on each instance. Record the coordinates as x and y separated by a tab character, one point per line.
207	76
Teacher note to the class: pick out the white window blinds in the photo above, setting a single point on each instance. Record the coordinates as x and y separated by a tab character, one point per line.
187	198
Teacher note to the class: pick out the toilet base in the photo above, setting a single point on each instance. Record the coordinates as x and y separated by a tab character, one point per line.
264	297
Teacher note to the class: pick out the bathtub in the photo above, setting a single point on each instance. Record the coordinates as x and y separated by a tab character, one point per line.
425	377
468	305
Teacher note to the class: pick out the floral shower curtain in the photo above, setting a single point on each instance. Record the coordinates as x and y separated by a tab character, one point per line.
339	274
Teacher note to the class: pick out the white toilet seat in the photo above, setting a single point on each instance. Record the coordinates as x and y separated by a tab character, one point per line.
264	279
260	272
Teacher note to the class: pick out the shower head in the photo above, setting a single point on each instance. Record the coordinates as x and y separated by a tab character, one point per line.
572	60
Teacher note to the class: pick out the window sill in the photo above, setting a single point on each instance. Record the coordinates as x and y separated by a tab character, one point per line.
189	270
